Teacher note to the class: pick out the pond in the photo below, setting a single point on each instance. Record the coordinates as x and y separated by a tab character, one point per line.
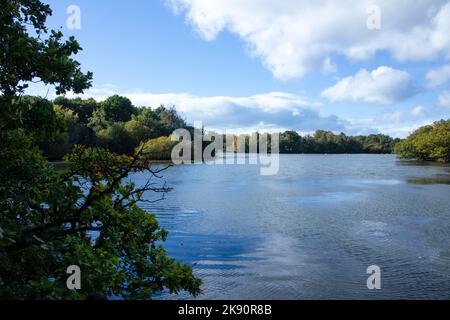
312	230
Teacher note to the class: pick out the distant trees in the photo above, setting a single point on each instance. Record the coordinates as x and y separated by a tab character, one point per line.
83	108
378	143
118	109
144	126
168	120
159	148
116	138
152	123
118	125
291	142
115	124
429	143
328	142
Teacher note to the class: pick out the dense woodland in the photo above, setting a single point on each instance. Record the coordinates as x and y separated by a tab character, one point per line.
118	125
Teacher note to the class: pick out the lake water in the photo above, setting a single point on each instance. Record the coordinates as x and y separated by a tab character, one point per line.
311	231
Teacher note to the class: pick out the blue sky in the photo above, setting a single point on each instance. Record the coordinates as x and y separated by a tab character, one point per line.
270	65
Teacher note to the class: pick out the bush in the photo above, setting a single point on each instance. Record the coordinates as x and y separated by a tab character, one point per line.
159	148
428	143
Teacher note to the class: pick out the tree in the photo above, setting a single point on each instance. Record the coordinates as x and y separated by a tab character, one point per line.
378	143
429	143
328	142
169	120
98	120
103	231
117	139
82	108
118	109
25	58
88	216
290	142
59	144
144	126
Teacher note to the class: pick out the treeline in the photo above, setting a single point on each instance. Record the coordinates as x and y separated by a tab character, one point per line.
428	143
328	142
116	124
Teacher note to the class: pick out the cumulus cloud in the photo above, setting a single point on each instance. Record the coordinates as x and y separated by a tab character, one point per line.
395	116
416	113
99	92
267	111
397	127
383	85
274	110
438	76
402	131
294	37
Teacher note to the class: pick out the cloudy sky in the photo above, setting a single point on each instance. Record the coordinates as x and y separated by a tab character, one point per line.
352	66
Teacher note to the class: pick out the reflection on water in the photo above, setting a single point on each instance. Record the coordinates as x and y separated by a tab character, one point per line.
437	179
418	163
312	230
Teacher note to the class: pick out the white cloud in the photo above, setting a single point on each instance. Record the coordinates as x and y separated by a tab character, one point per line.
438	76
416	113
396	116
397	129
294	37
103	91
274	110
444	99
267	111
402	131
383	85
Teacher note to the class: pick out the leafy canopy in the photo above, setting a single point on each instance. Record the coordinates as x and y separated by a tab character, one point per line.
431	143
88	215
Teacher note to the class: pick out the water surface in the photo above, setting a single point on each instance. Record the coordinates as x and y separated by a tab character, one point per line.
311	231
